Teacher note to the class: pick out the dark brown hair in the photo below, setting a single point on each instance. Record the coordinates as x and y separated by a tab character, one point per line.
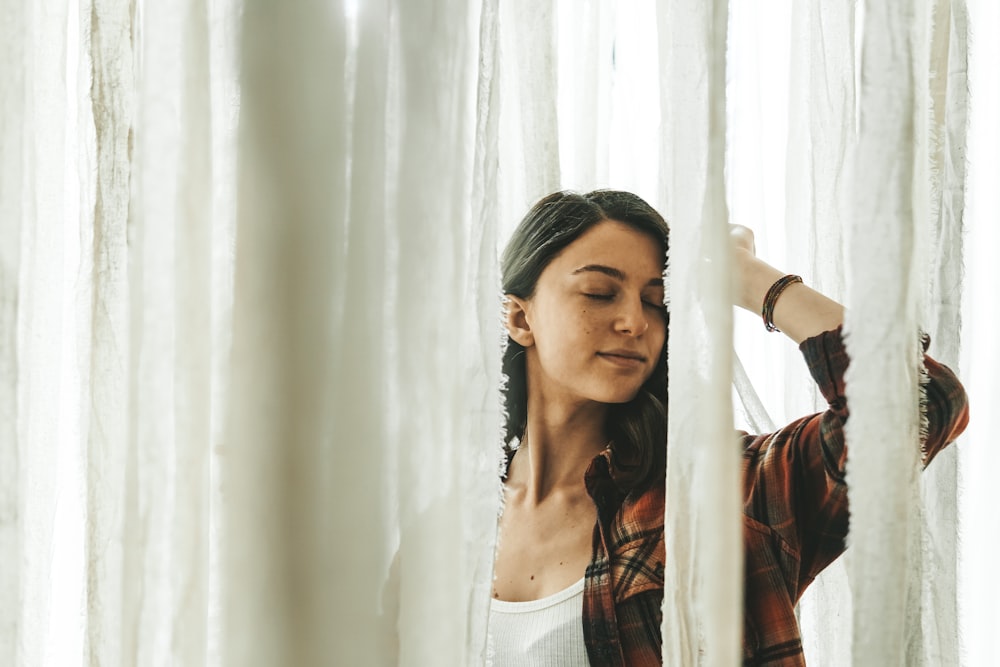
638	429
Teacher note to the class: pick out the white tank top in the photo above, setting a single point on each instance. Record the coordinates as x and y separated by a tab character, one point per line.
539	633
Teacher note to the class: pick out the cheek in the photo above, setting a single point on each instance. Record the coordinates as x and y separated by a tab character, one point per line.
588	321
658	336
568	334
661	331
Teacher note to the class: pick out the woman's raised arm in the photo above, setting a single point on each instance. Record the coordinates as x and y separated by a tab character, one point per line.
801	312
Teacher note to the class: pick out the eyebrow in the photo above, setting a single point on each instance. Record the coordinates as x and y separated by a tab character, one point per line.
615	273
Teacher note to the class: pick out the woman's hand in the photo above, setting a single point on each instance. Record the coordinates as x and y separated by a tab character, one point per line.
752	276
742	239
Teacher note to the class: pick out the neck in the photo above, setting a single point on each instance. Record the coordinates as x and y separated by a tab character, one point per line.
560	442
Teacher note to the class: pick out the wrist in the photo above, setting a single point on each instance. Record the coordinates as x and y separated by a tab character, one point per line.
772	296
754	278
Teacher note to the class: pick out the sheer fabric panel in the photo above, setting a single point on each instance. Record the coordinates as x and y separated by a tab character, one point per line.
821	134
945	113
488	334
48	372
283	520
585	40
883	380
13	149
448	421
912	219
979	457
537	74
395	482
113	108
701	608
166	473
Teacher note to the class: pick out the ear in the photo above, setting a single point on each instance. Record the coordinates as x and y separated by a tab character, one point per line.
516	319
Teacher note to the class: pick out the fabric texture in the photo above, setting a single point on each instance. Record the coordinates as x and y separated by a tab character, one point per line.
701	620
543	633
795	523
889	204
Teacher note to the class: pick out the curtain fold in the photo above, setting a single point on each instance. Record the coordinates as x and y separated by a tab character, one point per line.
106	259
165	529
979	523
945	113
585	46
533	32
399	490
703	573
48	414
486	337
14	147
914	120
821	134
883	379
448	414
292	495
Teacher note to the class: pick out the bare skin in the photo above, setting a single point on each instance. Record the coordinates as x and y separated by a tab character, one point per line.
800	312
546	543
548	520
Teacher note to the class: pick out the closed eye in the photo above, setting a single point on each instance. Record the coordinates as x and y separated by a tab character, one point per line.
597	296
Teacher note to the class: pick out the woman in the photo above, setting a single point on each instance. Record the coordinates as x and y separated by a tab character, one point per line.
579	564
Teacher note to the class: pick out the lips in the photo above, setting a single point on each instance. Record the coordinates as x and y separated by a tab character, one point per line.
625	357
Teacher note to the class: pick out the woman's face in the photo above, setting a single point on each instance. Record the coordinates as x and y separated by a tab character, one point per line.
595	326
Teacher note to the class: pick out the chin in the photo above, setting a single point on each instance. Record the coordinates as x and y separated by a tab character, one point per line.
622	396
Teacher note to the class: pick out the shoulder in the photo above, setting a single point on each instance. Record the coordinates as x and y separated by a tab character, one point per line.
641	514
637	551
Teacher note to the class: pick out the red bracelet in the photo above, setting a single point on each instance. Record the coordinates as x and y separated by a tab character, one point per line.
772	297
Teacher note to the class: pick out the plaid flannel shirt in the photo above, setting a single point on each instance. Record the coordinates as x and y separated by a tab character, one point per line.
794	524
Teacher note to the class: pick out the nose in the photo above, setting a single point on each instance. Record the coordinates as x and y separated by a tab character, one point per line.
632	318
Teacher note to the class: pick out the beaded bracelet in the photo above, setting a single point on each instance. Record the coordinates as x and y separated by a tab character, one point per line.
772	297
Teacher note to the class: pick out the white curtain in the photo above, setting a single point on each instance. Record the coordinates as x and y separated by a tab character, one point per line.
702	611
889	203
362	446
249	299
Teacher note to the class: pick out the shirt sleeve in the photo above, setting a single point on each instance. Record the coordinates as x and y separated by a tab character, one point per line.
794	478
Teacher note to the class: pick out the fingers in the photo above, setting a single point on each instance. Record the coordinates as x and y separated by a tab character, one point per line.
742	238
